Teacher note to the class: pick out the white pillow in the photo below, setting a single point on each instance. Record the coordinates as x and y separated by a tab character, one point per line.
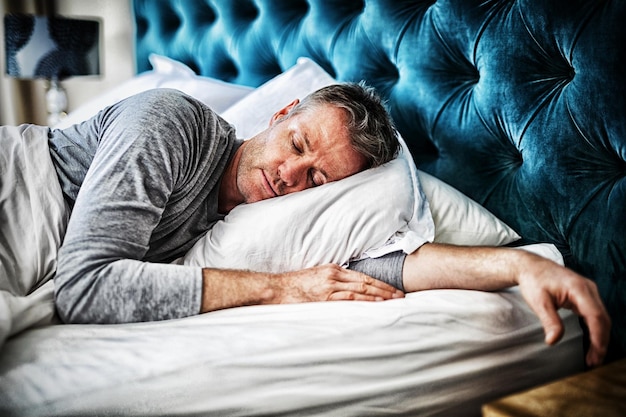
460	220
252	114
166	73
372	213
373	210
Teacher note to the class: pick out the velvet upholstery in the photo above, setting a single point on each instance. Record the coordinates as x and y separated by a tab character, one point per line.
519	104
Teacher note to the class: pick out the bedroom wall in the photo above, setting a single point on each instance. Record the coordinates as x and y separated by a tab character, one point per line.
22	101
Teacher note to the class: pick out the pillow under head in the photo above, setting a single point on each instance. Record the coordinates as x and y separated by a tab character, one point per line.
369	214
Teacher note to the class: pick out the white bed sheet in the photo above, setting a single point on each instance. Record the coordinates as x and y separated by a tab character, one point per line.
440	352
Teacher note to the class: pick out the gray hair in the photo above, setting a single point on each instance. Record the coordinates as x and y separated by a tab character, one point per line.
369	124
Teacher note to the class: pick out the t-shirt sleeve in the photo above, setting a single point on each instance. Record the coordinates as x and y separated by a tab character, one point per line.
387	268
142	152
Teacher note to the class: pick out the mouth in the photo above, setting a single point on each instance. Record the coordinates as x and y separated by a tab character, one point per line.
267	184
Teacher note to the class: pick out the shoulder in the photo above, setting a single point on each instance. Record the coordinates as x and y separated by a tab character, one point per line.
160	107
166	98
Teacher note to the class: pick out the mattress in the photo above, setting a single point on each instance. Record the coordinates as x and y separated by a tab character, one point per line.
439	352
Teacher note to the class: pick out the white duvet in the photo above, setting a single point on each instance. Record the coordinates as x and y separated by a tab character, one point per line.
33	217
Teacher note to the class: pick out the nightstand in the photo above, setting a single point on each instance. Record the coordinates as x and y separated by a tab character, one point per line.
599	392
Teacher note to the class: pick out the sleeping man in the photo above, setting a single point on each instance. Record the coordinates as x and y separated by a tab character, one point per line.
157	170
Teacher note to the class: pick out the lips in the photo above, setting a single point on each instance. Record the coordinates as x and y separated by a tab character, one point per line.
268	185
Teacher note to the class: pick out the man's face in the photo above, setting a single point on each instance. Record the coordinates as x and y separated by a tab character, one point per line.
303	151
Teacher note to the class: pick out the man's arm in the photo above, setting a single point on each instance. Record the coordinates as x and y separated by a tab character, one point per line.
230	288
545	285
150	165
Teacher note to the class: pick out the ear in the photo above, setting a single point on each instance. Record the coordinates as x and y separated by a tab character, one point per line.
283	112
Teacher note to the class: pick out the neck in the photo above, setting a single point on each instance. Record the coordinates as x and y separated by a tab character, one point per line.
229	196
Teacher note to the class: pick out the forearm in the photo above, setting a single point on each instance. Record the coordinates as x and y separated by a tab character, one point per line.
124	291
230	288
437	266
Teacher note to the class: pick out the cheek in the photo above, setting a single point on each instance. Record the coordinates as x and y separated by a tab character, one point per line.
254	155
274	153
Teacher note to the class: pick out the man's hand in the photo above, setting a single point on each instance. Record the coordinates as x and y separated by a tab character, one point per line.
331	283
229	288
545	285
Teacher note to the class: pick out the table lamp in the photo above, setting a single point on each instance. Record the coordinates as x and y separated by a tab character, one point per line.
52	48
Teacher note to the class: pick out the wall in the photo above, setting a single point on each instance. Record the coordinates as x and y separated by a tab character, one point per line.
22	101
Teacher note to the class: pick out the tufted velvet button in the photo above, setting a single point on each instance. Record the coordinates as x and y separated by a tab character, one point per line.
172	24
141	26
227	69
571	74
246	10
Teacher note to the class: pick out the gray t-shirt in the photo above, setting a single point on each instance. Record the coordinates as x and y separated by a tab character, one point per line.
142	179
148	170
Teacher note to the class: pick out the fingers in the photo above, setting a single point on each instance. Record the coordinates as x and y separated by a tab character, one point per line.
550	320
364	292
361	282
597	323
345	284
354	296
365	287
599	340
566	289
588	304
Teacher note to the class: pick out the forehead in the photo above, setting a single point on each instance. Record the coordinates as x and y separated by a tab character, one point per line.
324	130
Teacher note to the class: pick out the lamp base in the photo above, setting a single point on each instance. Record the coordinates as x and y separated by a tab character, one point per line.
56	102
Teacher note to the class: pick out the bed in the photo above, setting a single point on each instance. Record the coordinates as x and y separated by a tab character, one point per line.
512	120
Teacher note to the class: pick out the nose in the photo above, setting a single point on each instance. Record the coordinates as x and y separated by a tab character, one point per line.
293	174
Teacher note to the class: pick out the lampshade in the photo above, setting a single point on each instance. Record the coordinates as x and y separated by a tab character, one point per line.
50	47
53	48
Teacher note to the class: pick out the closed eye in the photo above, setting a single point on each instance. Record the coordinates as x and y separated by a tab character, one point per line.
296	146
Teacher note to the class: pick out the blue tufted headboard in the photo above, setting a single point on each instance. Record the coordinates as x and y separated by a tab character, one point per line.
519	104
